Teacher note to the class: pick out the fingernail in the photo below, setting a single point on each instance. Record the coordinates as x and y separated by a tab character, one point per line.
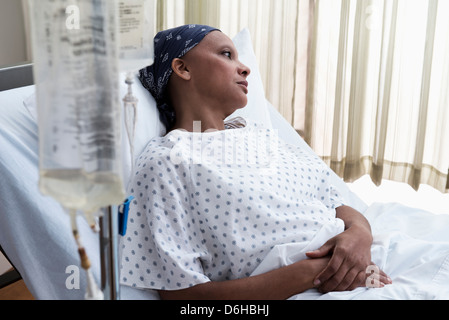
317	282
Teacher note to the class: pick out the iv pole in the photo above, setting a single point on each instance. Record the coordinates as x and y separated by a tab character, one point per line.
109	229
109	253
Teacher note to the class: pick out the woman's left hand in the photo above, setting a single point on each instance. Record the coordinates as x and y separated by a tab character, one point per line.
350	254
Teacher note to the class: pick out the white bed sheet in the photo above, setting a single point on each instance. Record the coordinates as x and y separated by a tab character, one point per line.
410	245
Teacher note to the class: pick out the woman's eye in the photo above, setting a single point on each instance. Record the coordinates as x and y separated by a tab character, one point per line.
227	54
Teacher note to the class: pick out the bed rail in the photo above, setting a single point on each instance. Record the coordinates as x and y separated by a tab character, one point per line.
16	76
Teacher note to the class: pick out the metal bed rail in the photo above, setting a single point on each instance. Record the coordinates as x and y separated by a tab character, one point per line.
16	76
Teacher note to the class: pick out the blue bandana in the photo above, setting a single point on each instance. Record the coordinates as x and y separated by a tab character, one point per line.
169	45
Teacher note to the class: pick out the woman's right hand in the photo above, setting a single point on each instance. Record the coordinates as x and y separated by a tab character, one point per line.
373	277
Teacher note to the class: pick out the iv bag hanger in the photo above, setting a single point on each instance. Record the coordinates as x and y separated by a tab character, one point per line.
109	229
130	105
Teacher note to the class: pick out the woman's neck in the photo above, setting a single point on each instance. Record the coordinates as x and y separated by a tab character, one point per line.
199	125
200	120
195	113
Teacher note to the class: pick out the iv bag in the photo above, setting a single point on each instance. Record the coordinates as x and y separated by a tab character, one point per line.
136	30
76	75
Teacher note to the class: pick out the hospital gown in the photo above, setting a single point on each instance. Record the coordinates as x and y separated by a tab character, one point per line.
211	206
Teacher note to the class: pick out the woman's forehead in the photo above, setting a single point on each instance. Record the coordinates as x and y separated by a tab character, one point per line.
215	40
218	39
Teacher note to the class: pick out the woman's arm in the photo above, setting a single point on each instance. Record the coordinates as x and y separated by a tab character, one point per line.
340	265
350	255
279	284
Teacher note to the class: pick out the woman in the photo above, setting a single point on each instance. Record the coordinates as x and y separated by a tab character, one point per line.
199	228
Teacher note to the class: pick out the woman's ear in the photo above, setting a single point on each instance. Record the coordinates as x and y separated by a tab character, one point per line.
180	68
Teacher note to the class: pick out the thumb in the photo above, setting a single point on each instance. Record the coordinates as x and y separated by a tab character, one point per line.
321	252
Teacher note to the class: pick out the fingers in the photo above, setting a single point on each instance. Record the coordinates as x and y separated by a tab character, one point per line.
372	277
376	278
340	281
346	269
385	277
321	252
353	279
331	272
339	275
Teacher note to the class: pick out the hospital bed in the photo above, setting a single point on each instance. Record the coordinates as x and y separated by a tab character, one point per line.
35	232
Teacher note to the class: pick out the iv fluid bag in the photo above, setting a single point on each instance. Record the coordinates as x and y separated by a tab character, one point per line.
76	73
136	32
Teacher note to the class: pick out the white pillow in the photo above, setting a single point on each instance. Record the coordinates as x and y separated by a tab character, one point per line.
148	124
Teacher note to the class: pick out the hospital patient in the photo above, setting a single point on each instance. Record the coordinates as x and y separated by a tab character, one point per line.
214	198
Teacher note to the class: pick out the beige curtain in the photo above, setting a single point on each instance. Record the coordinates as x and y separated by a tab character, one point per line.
279	30
378	89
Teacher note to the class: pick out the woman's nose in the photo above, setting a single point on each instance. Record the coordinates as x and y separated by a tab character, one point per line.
244	70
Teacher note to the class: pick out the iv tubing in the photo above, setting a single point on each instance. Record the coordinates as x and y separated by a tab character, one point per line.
93	292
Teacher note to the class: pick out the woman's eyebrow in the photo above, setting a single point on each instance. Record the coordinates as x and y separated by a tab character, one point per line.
224	46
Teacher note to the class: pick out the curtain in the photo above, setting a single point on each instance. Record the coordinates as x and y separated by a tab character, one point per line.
378	89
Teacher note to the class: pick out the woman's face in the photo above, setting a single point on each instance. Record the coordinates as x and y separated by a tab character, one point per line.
217	73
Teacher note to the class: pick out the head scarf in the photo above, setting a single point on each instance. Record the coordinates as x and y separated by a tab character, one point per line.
169	45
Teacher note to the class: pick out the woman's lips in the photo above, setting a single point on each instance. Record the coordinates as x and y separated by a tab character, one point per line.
244	84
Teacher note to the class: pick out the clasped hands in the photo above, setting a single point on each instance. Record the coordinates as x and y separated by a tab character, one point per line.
349	255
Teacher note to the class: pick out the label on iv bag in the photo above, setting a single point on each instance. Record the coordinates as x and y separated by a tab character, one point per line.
136	34
131	24
76	73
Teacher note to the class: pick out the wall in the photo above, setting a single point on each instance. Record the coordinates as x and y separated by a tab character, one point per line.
13	48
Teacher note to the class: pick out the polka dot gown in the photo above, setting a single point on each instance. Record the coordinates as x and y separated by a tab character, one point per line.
211	206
